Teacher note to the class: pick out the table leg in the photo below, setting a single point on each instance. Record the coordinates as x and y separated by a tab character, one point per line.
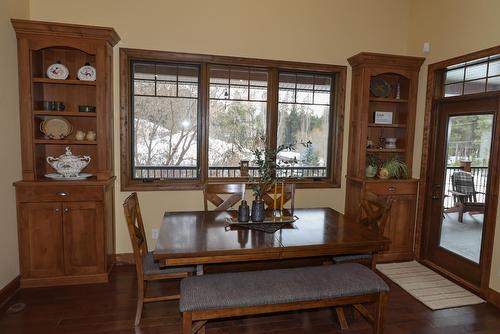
199	270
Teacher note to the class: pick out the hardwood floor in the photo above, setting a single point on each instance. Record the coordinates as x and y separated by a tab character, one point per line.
110	308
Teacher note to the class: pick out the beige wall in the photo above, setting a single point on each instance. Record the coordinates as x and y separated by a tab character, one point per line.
10	141
454	28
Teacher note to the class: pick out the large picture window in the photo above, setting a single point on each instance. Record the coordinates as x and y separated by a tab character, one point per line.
191	119
165	119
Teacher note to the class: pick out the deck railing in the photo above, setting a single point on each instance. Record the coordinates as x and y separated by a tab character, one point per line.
191	172
480	183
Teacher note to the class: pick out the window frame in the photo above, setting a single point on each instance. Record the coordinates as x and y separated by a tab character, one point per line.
274	67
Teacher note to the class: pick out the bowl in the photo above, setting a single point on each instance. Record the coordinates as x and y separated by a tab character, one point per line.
86	108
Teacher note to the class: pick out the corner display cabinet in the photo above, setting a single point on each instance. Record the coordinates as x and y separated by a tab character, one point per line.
66	227
382	125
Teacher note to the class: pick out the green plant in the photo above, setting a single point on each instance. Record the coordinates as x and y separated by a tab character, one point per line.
266	162
396	167
372	160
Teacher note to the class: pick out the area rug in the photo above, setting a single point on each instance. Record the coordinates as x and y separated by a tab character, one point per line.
430	288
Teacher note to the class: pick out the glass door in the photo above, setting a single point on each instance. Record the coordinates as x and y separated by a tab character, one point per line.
460	186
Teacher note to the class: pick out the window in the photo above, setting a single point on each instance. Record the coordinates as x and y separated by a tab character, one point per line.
191	119
304	120
237	117
472	77
165	118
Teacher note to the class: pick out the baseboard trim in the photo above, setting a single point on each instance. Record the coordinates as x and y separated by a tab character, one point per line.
8	291
64	280
124	259
493	297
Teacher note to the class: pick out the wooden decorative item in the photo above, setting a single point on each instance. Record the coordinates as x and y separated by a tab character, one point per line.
66	228
396	80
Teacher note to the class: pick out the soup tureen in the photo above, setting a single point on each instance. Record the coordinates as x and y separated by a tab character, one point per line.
67	164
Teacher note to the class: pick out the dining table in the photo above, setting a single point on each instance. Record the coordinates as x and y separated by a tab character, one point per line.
209	237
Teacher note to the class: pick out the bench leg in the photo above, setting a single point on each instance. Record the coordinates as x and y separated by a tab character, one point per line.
341	317
378	323
187	323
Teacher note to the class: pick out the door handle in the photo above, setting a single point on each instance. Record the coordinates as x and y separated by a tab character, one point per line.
436	197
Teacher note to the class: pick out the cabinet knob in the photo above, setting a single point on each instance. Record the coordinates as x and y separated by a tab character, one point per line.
391	188
62	193
66	210
56	210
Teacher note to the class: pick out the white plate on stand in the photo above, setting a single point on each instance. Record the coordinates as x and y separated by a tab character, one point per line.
60	177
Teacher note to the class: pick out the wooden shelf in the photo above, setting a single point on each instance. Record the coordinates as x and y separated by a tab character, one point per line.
385	150
64	113
64	82
385	99
374	125
65	142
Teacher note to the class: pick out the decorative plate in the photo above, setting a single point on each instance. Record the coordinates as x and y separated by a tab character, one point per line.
56	176
379	87
57	71
56	127
86	73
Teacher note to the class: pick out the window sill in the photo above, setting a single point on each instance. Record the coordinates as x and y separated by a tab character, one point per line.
185	186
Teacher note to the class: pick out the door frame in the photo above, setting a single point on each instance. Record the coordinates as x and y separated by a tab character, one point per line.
433	97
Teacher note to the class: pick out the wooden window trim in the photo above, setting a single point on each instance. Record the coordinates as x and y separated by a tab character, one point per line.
273	66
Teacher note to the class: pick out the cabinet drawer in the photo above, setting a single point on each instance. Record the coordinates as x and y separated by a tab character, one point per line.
392	188
50	193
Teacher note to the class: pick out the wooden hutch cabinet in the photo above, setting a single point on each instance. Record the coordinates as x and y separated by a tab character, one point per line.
386	84
66	228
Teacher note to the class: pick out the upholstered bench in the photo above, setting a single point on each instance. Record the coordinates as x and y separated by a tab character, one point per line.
255	292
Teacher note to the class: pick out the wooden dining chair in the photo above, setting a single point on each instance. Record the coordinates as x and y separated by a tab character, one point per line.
147	269
373	213
288	193
211	194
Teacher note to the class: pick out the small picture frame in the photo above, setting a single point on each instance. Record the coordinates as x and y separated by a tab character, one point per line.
383	117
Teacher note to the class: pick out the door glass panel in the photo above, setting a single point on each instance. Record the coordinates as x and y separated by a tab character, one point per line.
466	177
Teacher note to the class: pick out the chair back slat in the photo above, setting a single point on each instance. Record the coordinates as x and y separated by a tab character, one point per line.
136	230
288	193
211	194
375	210
463	182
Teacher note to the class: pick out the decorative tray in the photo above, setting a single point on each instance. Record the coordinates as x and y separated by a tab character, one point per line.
269	225
60	177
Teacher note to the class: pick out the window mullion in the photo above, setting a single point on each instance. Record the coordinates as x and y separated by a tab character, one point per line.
203	126
272	108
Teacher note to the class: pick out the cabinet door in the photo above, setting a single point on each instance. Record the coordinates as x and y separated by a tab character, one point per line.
41	240
83	238
400	228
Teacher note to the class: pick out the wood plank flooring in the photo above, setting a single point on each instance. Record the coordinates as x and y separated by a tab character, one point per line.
110	308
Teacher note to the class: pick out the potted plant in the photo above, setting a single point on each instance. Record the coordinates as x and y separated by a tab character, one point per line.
372	164
265	161
394	168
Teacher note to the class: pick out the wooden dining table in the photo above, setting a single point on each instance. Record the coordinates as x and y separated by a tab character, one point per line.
205	237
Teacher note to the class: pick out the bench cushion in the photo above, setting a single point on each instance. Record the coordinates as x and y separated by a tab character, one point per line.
151	267
351	258
267	287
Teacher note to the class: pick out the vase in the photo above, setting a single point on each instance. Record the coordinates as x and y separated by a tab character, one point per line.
370	171
258	213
